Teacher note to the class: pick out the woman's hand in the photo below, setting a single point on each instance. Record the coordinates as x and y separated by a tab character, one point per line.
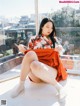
22	48
60	49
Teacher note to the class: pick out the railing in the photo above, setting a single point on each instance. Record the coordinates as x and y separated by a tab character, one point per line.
71	62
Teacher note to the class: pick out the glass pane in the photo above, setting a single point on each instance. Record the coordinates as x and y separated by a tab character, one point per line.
66	17
17	24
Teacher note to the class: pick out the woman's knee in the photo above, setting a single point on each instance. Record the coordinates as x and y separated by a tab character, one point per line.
31	55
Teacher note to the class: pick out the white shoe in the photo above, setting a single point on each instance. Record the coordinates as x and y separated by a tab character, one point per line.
16	91
62	94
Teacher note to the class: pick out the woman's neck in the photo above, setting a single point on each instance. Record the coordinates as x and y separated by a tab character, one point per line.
47	36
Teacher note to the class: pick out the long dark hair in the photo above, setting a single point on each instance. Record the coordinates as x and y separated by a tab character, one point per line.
43	22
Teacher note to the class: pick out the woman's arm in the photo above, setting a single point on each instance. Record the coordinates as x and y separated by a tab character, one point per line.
22	48
59	47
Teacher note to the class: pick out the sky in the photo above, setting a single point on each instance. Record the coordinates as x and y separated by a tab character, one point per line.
12	8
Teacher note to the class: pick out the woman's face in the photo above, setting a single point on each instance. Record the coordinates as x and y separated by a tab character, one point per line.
47	28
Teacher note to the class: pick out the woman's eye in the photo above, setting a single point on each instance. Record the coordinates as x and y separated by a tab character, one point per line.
47	27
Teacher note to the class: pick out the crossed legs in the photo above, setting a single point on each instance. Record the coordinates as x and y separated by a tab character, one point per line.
37	71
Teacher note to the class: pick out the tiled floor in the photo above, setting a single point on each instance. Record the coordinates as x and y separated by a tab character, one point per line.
38	94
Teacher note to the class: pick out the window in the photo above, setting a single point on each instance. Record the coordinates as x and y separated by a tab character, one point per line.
18	24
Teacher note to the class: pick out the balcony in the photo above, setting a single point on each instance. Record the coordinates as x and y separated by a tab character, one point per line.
40	94
36	94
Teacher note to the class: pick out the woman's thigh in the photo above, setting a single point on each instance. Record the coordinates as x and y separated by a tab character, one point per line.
52	71
33	78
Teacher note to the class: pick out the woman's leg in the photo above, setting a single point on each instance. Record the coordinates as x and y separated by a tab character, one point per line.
25	70
44	72
48	75
25	66
40	72
33	78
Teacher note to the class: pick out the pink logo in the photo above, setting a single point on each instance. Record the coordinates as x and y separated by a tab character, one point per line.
69	1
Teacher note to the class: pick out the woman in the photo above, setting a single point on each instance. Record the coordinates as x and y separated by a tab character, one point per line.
41	61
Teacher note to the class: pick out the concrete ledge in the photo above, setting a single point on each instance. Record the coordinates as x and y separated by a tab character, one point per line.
9	64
